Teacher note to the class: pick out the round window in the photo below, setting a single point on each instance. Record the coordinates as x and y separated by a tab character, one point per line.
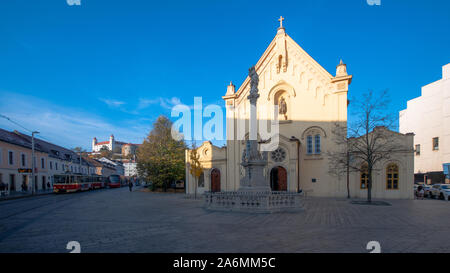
278	155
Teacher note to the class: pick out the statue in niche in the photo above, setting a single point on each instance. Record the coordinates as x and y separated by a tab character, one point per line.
282	110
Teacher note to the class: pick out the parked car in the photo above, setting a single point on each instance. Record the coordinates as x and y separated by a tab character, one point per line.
427	190
441	191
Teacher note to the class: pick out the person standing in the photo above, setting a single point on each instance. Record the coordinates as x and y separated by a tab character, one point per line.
130	185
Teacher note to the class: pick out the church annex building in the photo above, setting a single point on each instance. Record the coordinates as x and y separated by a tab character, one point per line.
310	102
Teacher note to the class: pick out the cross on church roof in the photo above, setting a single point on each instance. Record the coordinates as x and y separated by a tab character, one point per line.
281	21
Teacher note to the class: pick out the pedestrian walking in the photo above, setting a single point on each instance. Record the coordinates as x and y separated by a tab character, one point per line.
421	192
130	185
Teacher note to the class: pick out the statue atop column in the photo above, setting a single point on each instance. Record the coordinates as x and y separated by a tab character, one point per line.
252	160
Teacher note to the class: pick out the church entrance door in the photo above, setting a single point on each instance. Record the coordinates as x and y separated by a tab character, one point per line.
215	180
278	179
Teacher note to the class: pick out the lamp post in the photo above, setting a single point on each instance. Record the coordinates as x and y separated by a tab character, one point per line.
33	162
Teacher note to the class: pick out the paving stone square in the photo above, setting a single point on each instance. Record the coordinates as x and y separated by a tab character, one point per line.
116	220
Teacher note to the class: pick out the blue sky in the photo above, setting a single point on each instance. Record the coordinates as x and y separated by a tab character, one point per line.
75	72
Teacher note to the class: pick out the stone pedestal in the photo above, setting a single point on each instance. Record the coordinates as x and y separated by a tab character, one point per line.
254	179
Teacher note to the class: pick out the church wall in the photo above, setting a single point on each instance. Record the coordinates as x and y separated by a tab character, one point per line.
311	101
211	157
405	162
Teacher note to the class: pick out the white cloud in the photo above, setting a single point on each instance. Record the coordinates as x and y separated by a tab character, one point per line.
163	102
112	103
65	126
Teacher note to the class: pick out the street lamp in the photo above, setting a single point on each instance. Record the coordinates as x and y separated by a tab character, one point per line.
33	163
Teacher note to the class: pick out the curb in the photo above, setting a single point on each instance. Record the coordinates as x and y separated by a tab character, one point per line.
22	196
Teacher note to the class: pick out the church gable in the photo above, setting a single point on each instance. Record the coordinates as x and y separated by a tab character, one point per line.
285	60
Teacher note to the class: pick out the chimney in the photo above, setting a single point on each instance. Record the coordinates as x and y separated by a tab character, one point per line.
446	72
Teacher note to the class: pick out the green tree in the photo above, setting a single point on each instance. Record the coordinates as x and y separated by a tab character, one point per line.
160	158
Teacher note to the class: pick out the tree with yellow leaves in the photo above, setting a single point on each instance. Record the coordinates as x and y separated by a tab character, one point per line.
195	166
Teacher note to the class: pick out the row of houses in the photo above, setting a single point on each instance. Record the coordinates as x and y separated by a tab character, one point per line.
50	159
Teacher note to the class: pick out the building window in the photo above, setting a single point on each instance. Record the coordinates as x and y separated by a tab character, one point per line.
51	165
417	149
11	157
12	182
317	144
42	163
56	165
278	155
392	177
364	177
309	144
24	182
24	160
435	143
201	180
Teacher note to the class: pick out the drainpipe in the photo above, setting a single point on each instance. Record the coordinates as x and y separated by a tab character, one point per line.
293	138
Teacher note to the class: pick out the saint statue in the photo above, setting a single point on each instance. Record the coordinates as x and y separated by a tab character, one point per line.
254	80
282	107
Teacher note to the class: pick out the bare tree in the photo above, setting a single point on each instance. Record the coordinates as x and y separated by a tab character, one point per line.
365	142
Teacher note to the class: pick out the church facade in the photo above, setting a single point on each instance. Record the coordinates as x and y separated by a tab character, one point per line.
308	101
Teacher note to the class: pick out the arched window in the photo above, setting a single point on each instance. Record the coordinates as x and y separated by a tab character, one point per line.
309	143
201	180
392	177
317	144
364	177
314	135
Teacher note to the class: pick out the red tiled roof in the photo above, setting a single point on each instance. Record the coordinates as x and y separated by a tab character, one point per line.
104	142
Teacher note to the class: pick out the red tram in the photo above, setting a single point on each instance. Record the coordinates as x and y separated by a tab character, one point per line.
77	182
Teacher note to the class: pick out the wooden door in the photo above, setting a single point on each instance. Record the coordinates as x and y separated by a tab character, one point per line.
282	179
215	180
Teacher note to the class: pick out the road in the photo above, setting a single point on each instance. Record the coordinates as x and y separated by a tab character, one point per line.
116	220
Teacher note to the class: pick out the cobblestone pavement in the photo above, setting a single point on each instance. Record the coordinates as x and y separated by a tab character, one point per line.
116	220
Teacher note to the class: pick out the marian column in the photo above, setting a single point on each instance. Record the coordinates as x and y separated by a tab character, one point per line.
252	160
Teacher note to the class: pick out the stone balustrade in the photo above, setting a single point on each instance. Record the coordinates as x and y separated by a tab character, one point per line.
251	201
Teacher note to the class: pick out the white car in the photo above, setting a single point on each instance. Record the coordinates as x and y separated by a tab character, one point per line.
441	191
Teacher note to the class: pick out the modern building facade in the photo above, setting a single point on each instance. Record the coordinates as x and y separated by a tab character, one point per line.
130	168
428	117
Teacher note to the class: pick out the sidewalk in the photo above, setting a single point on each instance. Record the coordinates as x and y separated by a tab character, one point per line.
19	194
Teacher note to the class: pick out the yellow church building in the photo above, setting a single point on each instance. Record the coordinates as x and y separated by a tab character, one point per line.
309	101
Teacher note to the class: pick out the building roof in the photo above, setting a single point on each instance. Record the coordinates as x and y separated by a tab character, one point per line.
17	138
53	150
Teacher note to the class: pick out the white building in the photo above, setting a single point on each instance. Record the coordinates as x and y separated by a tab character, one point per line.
428	117
130	168
117	165
111	145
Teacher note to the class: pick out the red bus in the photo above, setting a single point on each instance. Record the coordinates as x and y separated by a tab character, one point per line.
114	181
